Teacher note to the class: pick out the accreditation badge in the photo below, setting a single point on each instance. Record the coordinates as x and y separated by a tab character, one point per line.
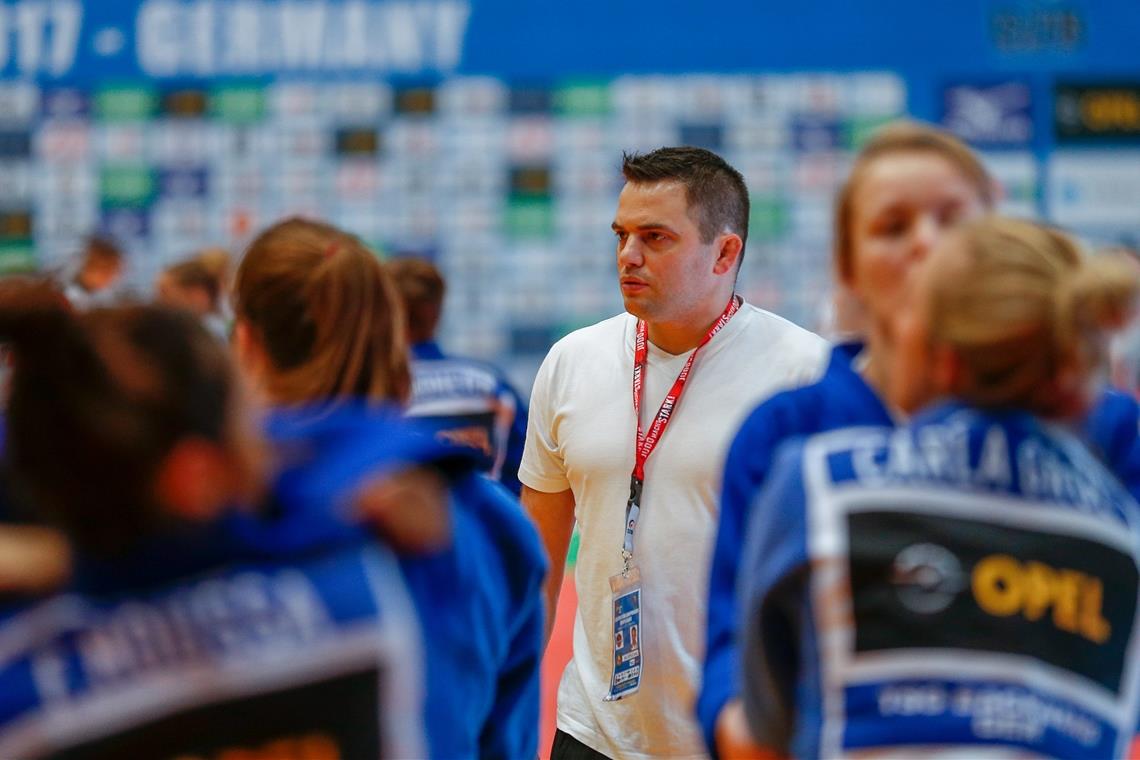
626	678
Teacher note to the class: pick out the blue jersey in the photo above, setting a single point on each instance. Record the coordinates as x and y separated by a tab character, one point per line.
839	399
966	582
1112	430
206	644
479	601
470	403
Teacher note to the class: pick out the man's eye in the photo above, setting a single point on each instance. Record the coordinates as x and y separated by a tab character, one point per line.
621	235
655	237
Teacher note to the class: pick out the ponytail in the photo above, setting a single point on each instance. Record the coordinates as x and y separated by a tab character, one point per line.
1099	297
1026	312
326	313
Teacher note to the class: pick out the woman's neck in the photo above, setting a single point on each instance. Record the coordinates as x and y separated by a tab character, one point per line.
875	359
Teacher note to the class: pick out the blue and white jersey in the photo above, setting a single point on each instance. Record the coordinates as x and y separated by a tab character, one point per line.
1112	430
840	398
967	583
479	601
470	403
317	657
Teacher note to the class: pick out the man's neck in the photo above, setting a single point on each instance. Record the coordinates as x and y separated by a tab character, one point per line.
684	335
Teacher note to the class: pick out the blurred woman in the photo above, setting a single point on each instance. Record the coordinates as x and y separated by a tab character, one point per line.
966	583
909	184
187	630
319	331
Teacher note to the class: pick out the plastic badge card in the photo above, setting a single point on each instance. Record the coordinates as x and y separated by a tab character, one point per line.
626	677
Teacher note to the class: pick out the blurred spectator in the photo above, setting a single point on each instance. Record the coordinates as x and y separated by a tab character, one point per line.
219	263
461	400
320	331
100	270
191	630
909	185
966	584
192	286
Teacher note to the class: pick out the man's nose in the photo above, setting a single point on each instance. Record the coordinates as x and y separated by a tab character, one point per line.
630	253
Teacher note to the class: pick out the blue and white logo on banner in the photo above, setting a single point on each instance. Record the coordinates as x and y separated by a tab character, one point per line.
997	115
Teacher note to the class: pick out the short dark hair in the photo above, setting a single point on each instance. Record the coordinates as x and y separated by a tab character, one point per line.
194	274
102	247
716	193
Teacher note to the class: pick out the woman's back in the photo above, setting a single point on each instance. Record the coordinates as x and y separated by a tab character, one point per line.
313	651
968	581
477	597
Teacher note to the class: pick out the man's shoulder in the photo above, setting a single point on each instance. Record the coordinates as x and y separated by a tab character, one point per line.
609	333
599	331
764	325
775	352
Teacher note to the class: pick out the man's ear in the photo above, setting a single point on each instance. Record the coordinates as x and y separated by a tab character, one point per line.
195	480
728	255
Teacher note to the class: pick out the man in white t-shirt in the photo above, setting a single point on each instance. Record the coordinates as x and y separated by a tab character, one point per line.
642	570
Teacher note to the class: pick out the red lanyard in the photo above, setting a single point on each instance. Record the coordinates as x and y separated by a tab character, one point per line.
647	441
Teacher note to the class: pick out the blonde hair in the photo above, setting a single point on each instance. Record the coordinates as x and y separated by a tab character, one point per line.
327	313
902	136
1021	305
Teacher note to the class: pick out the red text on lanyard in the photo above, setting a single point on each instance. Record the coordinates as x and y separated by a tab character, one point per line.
647	441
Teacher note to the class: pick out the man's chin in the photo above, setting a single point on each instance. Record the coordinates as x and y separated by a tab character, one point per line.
636	305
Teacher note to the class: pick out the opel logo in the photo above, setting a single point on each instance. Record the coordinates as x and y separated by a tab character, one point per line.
926	578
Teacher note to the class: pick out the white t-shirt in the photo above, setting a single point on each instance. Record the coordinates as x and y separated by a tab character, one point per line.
581	437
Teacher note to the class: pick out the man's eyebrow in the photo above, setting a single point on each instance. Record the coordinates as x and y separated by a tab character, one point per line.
645	226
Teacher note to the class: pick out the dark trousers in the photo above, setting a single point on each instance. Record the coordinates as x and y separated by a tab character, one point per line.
566	747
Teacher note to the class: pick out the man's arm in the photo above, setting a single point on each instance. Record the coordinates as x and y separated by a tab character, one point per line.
553	515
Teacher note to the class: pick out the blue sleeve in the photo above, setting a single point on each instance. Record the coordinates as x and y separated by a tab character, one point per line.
771	594
516	439
1113	429
746	467
511	727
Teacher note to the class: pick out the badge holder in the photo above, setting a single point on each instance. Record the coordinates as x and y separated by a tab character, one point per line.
626	600
626	678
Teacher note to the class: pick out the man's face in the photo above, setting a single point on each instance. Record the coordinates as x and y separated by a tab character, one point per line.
99	273
664	270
